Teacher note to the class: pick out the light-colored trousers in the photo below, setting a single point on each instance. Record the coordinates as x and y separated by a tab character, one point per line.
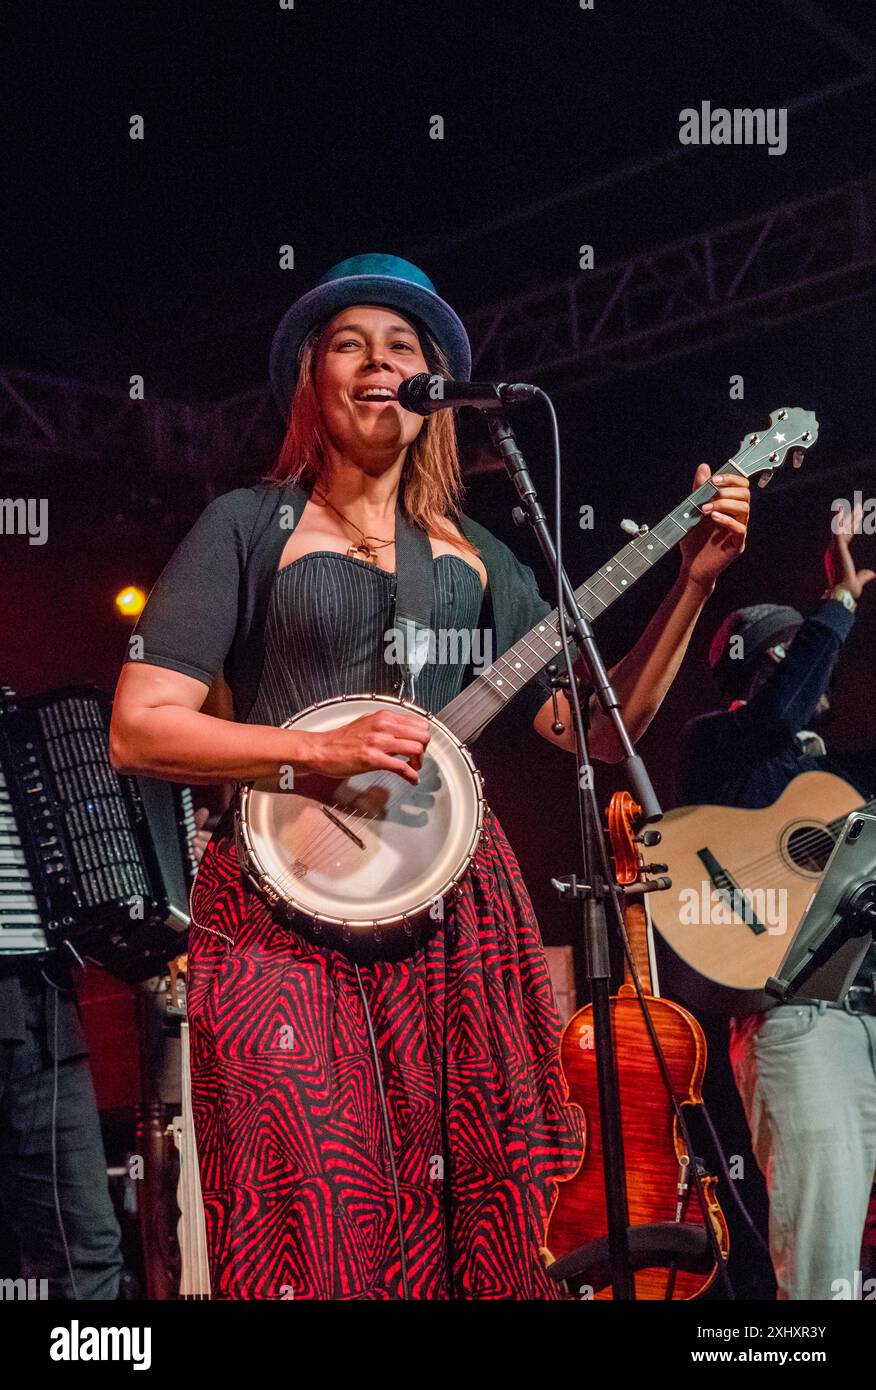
807	1078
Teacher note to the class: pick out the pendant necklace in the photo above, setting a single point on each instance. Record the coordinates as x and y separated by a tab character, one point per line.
362	551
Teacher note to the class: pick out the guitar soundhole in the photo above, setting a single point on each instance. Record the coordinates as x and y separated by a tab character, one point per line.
809	847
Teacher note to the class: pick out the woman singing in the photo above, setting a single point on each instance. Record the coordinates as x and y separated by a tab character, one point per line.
389	1129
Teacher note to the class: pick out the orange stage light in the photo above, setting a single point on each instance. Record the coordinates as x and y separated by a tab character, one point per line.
130	602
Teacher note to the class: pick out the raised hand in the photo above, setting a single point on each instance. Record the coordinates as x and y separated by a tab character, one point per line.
839	566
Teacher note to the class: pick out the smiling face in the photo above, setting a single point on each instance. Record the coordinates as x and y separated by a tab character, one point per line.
364	353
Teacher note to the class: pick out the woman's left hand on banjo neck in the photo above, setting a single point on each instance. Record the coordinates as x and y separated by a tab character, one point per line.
643	677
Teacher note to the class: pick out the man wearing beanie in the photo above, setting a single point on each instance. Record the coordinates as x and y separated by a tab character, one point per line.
806	1072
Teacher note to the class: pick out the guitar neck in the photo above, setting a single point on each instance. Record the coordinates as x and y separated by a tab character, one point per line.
191	1231
469	713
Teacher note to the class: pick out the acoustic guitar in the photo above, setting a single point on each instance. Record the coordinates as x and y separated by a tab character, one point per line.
741	882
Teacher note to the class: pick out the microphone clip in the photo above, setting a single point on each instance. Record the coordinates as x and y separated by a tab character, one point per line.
558	681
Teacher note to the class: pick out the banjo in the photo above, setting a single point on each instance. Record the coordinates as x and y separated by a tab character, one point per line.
363	861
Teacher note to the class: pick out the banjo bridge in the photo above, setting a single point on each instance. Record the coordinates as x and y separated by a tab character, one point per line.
336	820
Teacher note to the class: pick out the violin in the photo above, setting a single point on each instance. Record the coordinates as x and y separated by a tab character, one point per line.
659	1182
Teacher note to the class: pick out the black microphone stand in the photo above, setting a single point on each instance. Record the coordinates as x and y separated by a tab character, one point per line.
593	892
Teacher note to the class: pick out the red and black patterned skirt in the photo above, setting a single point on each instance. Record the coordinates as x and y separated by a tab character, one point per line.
295	1170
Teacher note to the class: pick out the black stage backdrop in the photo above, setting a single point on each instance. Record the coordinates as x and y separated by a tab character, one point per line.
269	125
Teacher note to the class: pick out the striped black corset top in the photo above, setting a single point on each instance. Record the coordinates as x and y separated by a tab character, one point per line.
326	629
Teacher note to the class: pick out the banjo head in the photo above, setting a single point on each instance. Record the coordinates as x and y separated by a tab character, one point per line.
365	852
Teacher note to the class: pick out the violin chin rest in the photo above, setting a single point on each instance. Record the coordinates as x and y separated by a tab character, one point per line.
661	1245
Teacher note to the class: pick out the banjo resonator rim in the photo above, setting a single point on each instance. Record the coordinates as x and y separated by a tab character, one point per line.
355	927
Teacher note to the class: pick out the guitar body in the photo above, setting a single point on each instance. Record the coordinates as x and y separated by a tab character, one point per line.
777	855
652	1143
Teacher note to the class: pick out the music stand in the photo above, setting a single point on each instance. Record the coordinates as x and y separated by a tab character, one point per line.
837	928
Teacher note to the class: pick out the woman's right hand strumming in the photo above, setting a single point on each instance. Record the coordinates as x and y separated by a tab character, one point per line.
373	741
161	727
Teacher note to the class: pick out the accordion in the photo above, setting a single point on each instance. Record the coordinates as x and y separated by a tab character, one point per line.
88	856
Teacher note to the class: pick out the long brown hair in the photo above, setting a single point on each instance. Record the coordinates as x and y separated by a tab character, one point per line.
431	483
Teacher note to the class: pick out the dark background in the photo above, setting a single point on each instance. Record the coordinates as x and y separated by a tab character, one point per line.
310	127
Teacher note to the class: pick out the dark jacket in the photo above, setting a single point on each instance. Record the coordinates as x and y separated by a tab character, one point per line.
748	756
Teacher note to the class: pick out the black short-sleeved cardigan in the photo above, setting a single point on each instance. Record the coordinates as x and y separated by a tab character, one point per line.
206	613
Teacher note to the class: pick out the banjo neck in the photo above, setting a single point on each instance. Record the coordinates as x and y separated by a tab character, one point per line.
763	453
469	713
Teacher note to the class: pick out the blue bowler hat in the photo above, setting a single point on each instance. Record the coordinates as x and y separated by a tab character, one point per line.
372	279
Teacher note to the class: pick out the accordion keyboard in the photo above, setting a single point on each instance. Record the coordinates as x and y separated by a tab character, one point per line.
20	928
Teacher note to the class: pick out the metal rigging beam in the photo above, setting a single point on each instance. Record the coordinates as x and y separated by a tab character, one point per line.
686	296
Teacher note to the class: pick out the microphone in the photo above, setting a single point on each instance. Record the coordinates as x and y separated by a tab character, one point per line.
424	393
